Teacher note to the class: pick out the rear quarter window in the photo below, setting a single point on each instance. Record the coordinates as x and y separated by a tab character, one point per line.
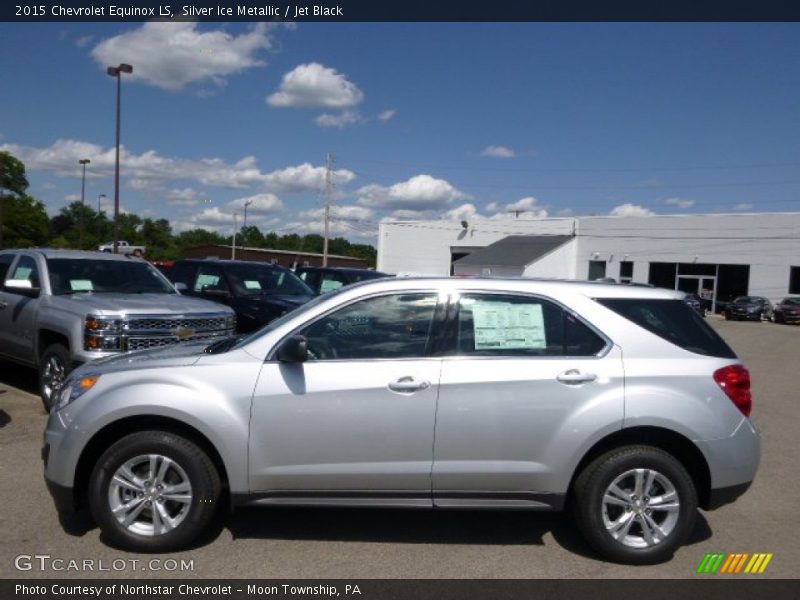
674	321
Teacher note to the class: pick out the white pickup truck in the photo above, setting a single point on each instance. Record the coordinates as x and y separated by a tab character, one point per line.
123	247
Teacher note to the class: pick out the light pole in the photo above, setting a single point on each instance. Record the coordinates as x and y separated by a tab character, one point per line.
235	225
117	72
99	228
83	162
98	202
244	223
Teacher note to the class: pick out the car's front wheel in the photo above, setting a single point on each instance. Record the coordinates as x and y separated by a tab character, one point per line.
154	491
54	366
635	505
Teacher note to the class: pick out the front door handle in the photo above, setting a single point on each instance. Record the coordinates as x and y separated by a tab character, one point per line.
575	377
408	385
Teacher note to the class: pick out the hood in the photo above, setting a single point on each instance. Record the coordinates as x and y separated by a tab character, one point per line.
177	355
137	304
282	301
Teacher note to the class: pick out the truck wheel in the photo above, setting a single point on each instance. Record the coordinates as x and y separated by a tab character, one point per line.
137	253
154	491
54	366
108	251
635	505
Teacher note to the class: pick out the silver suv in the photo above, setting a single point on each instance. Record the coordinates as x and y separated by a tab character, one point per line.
619	403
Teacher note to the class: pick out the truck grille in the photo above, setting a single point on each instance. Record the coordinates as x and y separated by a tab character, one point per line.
151	324
142	333
145	343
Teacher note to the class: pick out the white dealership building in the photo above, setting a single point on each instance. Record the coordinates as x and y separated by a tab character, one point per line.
716	255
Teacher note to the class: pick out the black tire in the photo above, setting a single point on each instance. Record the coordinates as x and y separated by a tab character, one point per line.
138	253
195	463
54	366
592	484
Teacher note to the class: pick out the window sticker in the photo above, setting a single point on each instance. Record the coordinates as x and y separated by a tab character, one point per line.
205	280
252	284
22	273
81	285
328	285
507	326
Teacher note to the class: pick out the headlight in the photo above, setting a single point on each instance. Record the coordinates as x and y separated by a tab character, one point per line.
74	389
103	334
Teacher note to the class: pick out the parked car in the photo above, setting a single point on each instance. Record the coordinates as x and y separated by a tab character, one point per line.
123	247
165	266
617	402
749	308
258	292
61	308
787	311
696	303
326	279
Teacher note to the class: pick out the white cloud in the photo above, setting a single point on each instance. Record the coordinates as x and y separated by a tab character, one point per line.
184	197
84	41
421	192
305	177
498	152
342	120
343	213
387	115
150	170
461	213
630	210
257	205
743	206
171	55
72	197
679	202
315	85
529	206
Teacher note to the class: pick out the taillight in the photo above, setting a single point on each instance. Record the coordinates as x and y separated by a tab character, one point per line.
735	382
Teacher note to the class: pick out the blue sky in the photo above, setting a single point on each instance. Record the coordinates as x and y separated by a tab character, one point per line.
429	120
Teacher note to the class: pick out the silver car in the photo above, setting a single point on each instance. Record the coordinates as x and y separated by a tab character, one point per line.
618	403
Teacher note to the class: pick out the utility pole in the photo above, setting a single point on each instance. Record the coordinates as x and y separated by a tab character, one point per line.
328	189
235	227
83	162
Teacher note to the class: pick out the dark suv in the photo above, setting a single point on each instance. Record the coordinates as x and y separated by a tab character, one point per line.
327	279
258	292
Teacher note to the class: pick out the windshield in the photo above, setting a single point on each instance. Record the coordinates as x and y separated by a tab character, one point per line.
296	313
791	301
77	275
747	300
254	279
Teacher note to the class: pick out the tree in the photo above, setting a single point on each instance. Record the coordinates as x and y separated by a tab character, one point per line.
13	184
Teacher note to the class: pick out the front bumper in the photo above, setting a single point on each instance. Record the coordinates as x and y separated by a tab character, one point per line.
63	497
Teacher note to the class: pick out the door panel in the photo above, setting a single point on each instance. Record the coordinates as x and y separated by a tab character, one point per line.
338	426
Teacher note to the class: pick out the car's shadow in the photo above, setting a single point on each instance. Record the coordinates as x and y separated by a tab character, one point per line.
20	377
393	526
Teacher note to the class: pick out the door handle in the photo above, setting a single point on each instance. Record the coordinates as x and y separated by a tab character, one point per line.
3	304
575	377
408	384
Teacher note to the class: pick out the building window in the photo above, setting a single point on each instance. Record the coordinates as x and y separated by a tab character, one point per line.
625	271
794	280
597	269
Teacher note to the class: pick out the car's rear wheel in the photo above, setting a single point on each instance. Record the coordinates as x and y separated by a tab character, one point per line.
54	366
154	491
635	505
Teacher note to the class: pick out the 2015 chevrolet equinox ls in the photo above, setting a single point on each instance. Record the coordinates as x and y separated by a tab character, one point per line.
617	402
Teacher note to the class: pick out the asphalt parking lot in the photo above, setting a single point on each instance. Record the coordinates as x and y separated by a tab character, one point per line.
344	543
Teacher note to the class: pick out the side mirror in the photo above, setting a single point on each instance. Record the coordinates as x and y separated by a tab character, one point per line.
23	287
293	350
180	286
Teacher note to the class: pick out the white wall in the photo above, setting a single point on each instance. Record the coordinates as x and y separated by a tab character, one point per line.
768	242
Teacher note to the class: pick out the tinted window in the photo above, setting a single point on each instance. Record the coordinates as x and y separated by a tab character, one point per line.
5	262
73	275
396	326
674	321
331	280
253	279
497	325
209	279
184	273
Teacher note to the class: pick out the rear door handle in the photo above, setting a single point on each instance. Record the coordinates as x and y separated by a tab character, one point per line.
408	385
575	377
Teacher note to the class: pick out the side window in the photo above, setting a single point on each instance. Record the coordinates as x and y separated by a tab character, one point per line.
5	263
184	273
498	325
396	326
209	278
26	270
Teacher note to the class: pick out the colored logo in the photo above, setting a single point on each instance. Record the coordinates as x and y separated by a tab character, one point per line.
742	562
183	332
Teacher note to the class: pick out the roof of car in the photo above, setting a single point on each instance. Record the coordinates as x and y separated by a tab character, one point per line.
591	289
65	253
227	261
343	269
